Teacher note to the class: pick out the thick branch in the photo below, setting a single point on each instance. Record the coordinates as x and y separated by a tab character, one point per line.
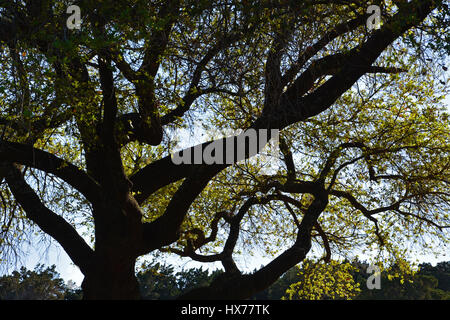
166	229
288	159
319	45
294	107
168	13
109	99
49	222
41	160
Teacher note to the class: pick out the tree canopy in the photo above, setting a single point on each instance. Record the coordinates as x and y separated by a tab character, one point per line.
38	284
89	120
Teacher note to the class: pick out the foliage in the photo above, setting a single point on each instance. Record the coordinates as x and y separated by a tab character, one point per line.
89	120
311	280
160	282
426	283
40	284
441	272
320	281
398	285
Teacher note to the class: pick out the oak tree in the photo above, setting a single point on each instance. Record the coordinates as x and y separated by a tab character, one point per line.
88	118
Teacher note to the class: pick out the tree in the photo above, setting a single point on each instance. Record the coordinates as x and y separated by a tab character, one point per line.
319	281
40	284
440	272
400	284
88	118
161	282
158	283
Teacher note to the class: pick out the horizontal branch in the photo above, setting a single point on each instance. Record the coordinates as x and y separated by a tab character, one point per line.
28	155
357	205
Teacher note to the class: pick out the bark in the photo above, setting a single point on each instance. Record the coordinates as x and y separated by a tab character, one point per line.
118	234
111	278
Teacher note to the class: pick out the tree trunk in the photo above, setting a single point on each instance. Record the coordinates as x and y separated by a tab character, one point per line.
111	274
111	278
118	236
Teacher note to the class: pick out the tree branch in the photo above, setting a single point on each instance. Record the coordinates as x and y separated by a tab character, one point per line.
41	160
326	243
109	99
166	229
304	56
288	159
237	286
294	107
430	222
49	222
194	92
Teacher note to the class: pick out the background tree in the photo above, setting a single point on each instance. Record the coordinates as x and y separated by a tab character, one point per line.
344	280
441	272
400	282
309	280
158	283
39	284
88	119
161	282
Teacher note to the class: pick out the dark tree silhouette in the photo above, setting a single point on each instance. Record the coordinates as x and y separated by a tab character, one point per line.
87	117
